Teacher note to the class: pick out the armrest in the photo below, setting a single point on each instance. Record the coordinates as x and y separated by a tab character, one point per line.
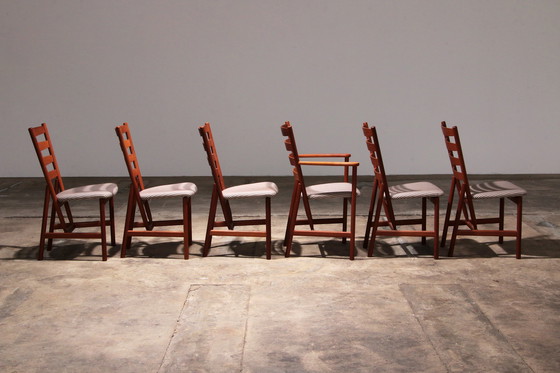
346	164
331	155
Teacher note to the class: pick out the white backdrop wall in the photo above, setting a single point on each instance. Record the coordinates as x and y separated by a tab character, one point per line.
490	66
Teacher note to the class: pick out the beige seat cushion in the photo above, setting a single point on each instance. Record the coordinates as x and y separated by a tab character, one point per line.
262	189
496	189
331	190
94	191
168	191
420	189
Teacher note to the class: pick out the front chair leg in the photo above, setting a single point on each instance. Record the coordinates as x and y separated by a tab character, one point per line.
112	222
186	226
424	217
103	227
435	200
268	229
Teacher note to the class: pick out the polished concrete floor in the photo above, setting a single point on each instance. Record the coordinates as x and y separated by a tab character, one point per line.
317	311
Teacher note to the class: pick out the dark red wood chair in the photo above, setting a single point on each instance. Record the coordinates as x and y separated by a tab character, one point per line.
61	222
382	196
139	197
223	194
346	189
465	211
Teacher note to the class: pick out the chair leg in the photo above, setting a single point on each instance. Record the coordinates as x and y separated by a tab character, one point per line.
52	222
112	222
424	217
210	225
186	226
46	203
448	213
268	229
375	222
353	218
289	222
370	216
344	217
435	201
456	223
292	219
190	222
103	229
519	202
129	223
501	220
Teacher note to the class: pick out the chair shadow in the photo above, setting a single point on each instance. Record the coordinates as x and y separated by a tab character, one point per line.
164	249
334	248
238	248
386	249
538	247
66	251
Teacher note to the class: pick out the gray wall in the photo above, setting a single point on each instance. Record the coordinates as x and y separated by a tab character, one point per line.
490	66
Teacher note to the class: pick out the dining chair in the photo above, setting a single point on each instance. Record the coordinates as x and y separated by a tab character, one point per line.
61	221
465	211
346	190
382	196
224	194
139	197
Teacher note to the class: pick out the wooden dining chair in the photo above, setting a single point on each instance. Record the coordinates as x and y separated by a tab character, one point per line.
139	197
61	221
382	197
346	189
223	194
465	211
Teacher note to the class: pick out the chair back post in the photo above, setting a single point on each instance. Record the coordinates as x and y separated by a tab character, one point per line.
130	158
291	147
455	153
380	181
133	168
460	177
47	159
45	153
214	162
212	156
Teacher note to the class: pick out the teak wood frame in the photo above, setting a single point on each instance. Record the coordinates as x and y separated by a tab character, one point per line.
465	211
381	198
134	200
54	185
300	194
229	222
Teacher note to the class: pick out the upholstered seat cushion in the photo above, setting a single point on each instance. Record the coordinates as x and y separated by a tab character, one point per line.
106	190
419	189
496	189
168	191
262	189
331	190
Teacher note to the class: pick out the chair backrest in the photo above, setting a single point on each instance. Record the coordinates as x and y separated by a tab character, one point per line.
375	155
212	155
45	153
455	153
291	147
127	147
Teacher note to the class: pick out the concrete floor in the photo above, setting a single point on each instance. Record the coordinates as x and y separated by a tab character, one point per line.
234	311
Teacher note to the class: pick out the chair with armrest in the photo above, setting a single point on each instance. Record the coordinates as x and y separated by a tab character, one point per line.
346	189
